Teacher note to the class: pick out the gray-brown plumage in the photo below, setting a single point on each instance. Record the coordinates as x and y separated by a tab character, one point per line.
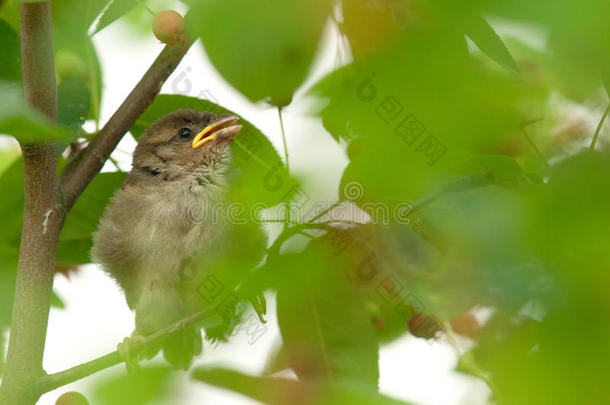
156	223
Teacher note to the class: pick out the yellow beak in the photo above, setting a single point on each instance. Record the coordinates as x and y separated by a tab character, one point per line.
226	126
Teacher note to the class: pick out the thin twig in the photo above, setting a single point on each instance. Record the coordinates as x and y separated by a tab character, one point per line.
533	145
115	163
52	381
279	112
599	128
324	212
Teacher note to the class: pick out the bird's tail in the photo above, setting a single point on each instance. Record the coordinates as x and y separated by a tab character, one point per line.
180	349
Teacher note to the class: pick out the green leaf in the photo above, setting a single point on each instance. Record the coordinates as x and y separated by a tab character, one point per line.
9	11
75	240
264	49
25	124
9	256
115	10
500	165
76	16
83	217
488	41
75	55
262	173
10	62
147	385
332	337
276	391
7	157
74	100
11	209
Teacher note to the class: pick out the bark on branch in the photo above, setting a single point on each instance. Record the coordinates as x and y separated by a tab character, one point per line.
41	221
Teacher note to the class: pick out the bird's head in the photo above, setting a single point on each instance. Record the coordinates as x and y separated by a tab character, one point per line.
186	145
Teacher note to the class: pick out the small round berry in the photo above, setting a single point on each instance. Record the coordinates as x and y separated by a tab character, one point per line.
424	326
72	398
466	325
168	27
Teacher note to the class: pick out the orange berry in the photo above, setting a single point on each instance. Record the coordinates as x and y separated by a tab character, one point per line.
168	27
466	325
424	326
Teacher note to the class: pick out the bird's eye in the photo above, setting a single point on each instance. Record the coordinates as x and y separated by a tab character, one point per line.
184	133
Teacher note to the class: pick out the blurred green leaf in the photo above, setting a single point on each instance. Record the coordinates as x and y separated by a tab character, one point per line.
1	350
9	256
9	11
277	391
264	49
425	120
147	385
10	66
75	240
484	36
76	16
114	10
499	165
8	156
11	209
73	103
25	124
577	39
333	337
72	20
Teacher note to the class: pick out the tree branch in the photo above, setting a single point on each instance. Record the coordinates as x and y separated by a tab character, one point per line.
41	221
52	381
85	166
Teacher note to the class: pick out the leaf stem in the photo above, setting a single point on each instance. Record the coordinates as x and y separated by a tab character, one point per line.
599	128
533	145
279	112
288	203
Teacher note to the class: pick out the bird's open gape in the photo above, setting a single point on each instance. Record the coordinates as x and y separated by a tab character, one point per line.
226	127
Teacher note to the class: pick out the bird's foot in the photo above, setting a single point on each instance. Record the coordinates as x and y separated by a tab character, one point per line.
128	350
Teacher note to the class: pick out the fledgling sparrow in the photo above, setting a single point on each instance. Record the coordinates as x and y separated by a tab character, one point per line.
148	233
